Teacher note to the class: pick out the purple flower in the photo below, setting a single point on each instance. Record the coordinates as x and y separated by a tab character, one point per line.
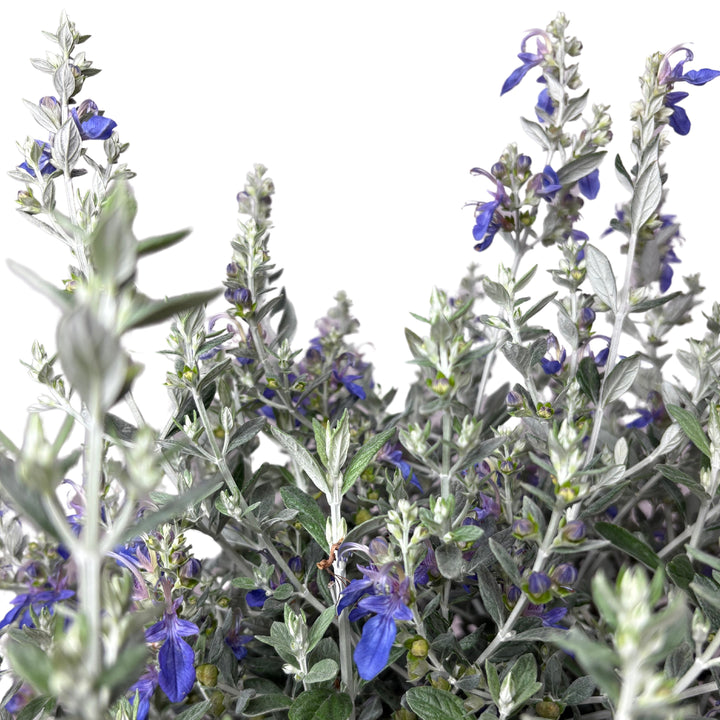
545	105
256	598
529	60
550	184
379	591
44	162
144	687
176	658
237	642
550	618
554	364
589	185
392	454
91	123
486	222
679	120
36	599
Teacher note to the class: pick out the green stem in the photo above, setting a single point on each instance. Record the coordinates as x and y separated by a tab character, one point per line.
89	561
620	316
242	503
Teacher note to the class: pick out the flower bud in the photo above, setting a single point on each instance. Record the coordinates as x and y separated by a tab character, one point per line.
419	648
564	575
523	528
499	170
190	573
574	531
548	709
207	674
539	587
522	166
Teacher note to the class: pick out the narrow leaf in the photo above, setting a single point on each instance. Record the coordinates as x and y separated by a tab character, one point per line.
363	457
309	514
150	312
648	191
626	541
691	427
579	167
323	622
160	242
246	432
302	457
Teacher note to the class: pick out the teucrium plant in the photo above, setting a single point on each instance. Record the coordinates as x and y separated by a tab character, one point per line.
533	535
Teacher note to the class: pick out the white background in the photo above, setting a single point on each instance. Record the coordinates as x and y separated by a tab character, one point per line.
369	116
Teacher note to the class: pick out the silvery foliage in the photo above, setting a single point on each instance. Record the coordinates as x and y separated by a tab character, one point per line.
523	543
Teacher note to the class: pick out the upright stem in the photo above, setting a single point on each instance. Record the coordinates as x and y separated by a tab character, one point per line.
620	316
347	675
90	562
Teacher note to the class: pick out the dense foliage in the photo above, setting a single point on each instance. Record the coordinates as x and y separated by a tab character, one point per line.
535	534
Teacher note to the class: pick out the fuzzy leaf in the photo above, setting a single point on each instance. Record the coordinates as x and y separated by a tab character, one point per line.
431	703
589	378
626	541
646	196
322	671
147	311
309	514
601	276
323	622
321	704
265	704
579	690
302	457
246	432
506	562
620	379
579	167
196	712
363	457
160	242
691	427
536	132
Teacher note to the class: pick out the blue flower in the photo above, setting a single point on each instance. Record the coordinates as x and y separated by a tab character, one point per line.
144	687
392	454
237	643
554	364
668	75
380	591
91	124
44	162
486	222
589	185
529	60
545	105
550	184
36	599
550	618
176	658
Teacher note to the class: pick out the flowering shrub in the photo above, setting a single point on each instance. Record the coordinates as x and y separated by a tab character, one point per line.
534	535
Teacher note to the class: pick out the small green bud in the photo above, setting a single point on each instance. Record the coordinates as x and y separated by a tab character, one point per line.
419	648
207	674
548	709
